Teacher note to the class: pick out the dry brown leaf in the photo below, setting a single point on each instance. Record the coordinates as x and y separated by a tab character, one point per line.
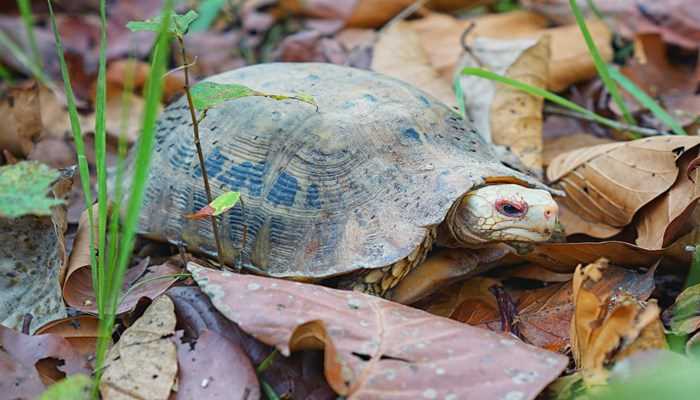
143	364
21	111
564	257
666	218
440	34
399	54
80	331
355	13
371	344
607	184
537	273
543	315
562	144
608	328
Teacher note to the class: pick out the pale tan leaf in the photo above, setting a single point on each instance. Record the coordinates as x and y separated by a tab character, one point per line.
399	54
21	112
562	144
143	364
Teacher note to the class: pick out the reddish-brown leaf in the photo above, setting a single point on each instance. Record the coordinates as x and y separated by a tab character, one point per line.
378	349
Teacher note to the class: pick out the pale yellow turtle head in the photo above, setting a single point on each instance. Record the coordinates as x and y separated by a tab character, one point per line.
504	213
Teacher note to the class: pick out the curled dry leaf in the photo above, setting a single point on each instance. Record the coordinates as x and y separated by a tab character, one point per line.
143	363
564	257
399	53
21	111
543	316
299	376
376	348
607	184
355	13
147	280
606	329
667	217
27	363
214	367
80	331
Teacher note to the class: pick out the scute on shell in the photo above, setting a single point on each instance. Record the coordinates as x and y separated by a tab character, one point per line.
353	185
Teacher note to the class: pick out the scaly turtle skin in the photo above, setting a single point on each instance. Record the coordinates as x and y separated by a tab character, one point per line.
363	185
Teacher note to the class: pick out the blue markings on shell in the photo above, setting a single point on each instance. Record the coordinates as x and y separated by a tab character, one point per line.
284	190
410	133
370	98
313	200
214	164
245	175
425	101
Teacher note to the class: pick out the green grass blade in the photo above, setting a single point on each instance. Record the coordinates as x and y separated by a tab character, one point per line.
647	101
600	64
6	75
535	91
25	10
208	10
101	159
77	137
37	72
459	92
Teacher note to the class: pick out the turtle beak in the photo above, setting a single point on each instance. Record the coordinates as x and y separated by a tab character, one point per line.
549	215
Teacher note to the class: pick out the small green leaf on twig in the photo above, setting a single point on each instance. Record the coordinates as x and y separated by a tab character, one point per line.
206	95
76	387
23	189
218	206
178	23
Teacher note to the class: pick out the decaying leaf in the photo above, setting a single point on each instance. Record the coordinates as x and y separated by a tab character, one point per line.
32	249
214	367
356	13
143	364
399	53
299	376
606	329
19	107
27	363
376	348
607	184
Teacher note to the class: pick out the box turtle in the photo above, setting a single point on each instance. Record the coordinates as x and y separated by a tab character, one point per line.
363	186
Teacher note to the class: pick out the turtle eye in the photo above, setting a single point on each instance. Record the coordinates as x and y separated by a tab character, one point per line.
512	209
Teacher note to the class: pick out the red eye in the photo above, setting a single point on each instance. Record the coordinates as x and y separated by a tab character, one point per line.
510	208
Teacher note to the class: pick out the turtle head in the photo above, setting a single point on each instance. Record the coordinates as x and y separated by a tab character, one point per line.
504	213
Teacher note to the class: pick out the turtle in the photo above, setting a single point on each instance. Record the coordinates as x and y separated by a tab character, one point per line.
360	188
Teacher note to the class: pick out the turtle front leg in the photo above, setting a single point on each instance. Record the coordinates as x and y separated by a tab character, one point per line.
445	266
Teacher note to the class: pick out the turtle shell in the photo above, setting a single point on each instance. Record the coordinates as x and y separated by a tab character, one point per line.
355	184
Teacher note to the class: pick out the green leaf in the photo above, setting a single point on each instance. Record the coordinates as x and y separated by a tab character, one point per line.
208	11
218	206
206	95
179	24
647	101
685	317
24	187
74	387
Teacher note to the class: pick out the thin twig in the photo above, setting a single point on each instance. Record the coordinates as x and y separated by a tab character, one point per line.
195	131
552	109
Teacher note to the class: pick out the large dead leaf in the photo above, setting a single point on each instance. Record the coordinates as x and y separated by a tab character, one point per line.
667	217
606	329
607	184
80	331
299	376
214	367
504	115
543	316
563	144
21	125
143	364
399	53
376	348
32	256
564	257
357	13
440	34
27	363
